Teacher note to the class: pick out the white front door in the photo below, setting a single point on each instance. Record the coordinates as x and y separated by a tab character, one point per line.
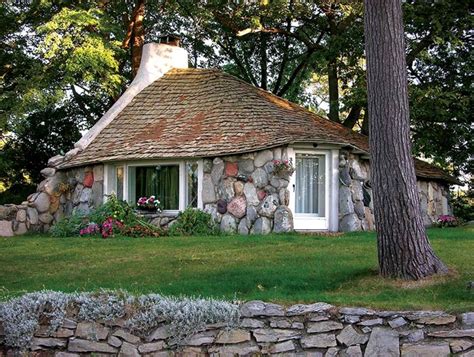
309	187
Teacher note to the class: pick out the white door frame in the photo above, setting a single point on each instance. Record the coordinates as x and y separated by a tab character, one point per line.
312	222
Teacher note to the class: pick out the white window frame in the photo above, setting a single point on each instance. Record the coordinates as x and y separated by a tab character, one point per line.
311	222
110	180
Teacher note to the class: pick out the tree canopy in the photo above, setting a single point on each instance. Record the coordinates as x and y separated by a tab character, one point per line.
63	63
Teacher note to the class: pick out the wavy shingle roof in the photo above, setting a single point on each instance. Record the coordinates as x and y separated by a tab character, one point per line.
205	113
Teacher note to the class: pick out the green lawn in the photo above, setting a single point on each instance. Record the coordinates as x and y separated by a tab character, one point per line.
286	269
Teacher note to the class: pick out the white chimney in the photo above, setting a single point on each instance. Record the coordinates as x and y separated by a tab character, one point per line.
157	59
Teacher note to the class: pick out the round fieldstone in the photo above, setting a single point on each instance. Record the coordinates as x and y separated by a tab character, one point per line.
238	188
283	220
262	225
21	215
221	206
263	157
46	218
243	227
208	192
357	192
88	179
32	214
251	214
268	167
346	205
268	206
359	209
225	189
238	206
284	196
261	194
228	224
86	195
277	154
246	167
231	169
350	223
344	176
42	202
250	193
217	170
48	172
260	178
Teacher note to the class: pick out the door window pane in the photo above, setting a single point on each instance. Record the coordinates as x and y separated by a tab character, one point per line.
310	184
119	181
191	184
161	181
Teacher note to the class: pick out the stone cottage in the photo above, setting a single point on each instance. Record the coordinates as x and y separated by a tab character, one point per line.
205	139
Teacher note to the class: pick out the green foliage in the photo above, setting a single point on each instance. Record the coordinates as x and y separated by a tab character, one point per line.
17	193
194	222
111	211
115	208
463	205
69	226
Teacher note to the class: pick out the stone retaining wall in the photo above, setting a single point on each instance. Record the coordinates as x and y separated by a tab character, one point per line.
316	330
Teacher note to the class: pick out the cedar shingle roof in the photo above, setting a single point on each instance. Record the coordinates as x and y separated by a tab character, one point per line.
205	113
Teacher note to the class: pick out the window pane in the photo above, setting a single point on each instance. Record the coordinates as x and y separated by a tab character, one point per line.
310	184
161	181
119	182
191	184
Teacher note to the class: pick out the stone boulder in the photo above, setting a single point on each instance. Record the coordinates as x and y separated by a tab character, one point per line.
260	177
263	157
228	224
268	206
283	220
237	206
262	226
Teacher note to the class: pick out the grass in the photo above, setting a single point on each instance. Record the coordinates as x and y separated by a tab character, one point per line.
281	268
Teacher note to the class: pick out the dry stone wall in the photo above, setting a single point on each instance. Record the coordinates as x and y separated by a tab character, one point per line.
319	330
245	196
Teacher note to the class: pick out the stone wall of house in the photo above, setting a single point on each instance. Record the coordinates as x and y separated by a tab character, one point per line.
355	194
316	330
434	198
245	195
59	194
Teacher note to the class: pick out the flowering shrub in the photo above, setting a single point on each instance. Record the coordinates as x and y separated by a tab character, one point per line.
283	167
110	226
91	229
113	217
149	203
446	220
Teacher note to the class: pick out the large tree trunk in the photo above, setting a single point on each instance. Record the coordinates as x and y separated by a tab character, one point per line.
136	35
403	247
333	84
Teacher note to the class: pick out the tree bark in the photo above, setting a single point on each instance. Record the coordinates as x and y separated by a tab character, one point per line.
135	35
404	250
333	84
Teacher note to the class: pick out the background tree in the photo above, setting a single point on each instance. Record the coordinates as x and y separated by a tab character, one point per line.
79	57
403	247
